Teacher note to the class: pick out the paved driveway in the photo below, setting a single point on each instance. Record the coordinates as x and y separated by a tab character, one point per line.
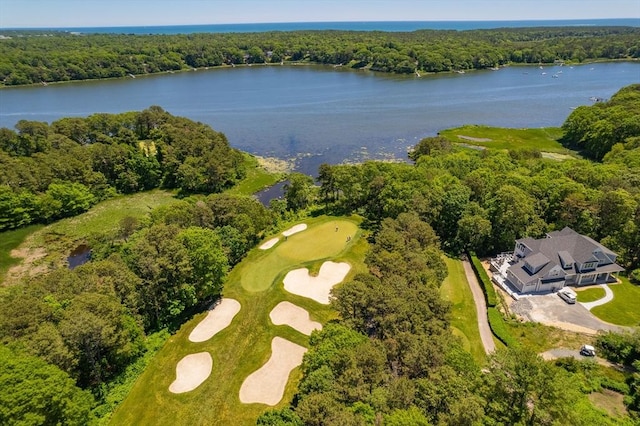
549	309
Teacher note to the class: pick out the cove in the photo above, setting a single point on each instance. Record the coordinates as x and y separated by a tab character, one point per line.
316	114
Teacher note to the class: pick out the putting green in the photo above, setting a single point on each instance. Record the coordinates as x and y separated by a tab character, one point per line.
317	242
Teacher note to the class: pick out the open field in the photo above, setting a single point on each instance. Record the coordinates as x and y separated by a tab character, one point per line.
543	139
623	309
456	290
245	345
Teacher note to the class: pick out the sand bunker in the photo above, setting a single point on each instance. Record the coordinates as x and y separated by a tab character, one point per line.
294	229
266	385
272	242
217	319
295	317
191	371
317	288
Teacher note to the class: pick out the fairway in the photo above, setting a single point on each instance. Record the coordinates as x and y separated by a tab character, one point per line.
245	346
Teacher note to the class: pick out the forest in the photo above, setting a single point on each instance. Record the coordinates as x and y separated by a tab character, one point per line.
38	57
68	336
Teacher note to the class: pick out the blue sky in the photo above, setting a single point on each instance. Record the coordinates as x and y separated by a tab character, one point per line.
88	13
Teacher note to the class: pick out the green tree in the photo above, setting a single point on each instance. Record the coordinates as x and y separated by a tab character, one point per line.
33	392
299	191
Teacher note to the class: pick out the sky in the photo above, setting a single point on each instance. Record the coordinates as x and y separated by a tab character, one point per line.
97	13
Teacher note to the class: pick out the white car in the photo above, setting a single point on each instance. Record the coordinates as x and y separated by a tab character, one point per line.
587	350
567	295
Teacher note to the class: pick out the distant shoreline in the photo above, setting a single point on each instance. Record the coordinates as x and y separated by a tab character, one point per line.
386	26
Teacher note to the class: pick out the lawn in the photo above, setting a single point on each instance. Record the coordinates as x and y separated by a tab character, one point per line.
244	346
623	309
542	139
590	294
455	289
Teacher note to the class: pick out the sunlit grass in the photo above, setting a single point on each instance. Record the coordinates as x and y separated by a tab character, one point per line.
455	289
543	139
623	309
245	345
10	240
590	294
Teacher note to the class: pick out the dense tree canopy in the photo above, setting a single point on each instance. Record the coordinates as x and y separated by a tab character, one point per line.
51	172
36	57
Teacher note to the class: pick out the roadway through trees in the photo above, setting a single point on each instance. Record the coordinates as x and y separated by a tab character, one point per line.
481	308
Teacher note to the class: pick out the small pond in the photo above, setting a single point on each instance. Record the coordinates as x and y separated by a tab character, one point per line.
79	256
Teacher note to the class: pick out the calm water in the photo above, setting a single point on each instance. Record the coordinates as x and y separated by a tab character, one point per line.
321	114
351	26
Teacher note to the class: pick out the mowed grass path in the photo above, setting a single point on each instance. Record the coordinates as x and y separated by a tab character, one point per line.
455	289
623	309
245	345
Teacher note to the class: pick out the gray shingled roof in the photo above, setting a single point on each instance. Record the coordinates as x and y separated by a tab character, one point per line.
566	244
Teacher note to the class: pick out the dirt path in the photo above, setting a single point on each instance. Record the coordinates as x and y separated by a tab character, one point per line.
481	308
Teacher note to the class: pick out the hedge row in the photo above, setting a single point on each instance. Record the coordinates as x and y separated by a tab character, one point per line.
485	281
499	327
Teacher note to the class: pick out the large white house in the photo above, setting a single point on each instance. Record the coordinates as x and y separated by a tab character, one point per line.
562	258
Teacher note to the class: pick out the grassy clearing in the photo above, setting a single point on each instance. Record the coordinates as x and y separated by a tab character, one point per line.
455	289
610	402
590	294
10	240
540	338
542	139
257	178
244	346
623	309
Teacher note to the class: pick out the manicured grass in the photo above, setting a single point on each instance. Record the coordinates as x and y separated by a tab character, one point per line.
455	289
317	243
543	139
257	178
244	346
623	309
10	240
590	294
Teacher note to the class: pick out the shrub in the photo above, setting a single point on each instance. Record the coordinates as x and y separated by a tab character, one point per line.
499	327
485	281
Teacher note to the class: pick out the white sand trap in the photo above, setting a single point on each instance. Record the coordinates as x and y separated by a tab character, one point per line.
267	245
266	385
295	229
216	320
191	371
317	288
295	317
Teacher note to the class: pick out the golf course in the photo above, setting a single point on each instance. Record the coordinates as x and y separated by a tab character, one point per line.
251	364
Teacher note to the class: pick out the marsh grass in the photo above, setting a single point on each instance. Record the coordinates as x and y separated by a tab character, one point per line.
545	139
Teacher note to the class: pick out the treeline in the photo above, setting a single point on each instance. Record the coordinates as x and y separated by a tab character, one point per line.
38	57
484	200
596	129
48	172
392	358
71	335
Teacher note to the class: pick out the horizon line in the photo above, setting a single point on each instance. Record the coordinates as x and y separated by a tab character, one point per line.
324	22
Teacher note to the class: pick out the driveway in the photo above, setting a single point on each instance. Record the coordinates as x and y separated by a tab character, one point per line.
481	308
549	309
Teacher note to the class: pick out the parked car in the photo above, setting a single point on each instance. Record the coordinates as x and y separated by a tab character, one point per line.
587	350
567	295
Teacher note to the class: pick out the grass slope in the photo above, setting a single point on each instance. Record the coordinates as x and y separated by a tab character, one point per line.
623	309
245	345
257	178
543	139
455	289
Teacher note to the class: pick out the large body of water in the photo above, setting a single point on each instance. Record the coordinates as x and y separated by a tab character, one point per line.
395	26
318	114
